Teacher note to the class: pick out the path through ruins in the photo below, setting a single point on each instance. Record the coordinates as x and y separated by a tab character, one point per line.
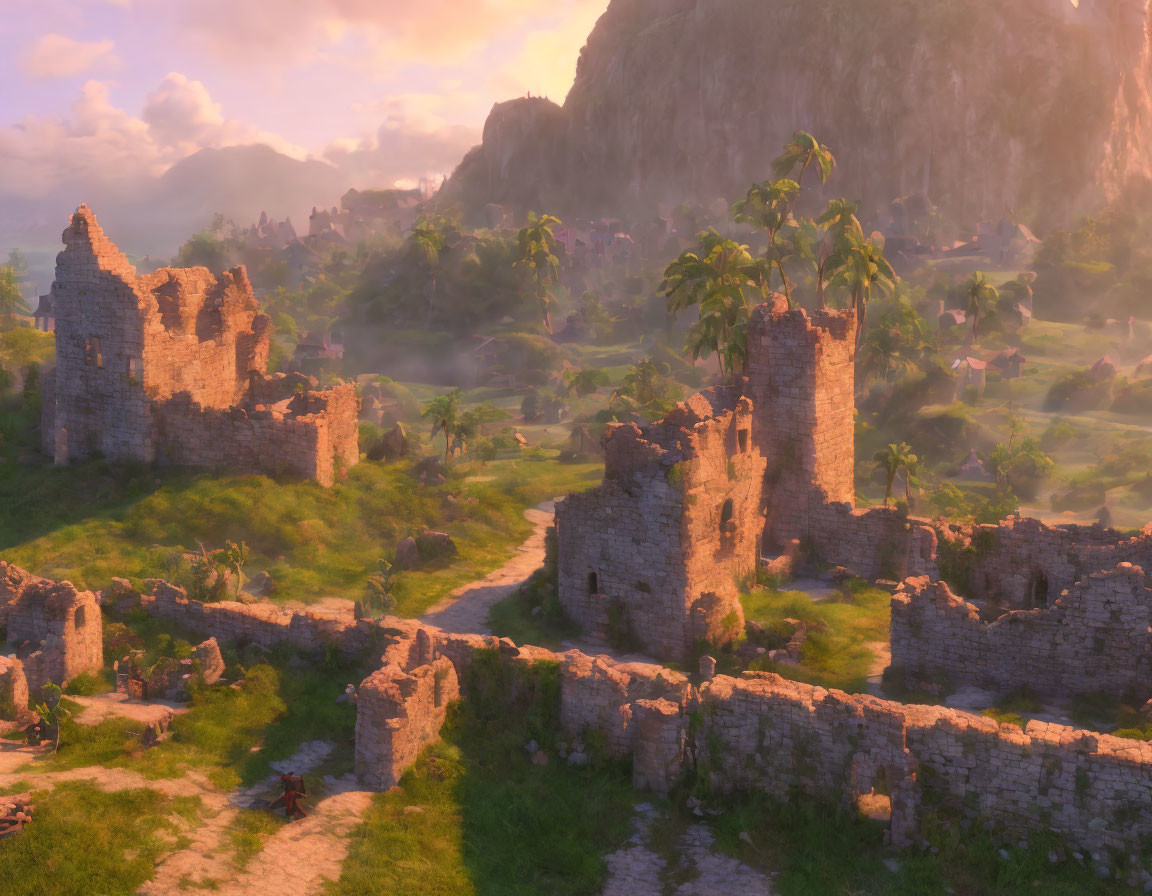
696	870
465	610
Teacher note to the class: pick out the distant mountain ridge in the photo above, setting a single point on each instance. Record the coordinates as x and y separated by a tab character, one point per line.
1033	106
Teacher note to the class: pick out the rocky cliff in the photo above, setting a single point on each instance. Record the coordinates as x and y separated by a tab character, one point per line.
1031	105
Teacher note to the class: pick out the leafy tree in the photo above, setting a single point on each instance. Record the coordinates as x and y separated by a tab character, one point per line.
537	247
51	712
898	343
804	150
717	277
981	297
11	298
586	381
444	412
480	416
1022	467
892	460
426	244
646	387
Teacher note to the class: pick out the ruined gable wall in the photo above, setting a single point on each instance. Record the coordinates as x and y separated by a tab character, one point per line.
1095	639
97	406
801	379
203	333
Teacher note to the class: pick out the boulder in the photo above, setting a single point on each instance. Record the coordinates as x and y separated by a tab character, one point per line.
407	554
261	585
211	662
435	545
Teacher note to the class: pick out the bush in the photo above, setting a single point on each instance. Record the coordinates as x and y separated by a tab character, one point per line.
1079	391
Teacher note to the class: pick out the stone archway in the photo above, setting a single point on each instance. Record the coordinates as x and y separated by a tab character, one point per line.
886	790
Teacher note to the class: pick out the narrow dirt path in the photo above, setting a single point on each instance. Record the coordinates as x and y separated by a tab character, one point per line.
466	609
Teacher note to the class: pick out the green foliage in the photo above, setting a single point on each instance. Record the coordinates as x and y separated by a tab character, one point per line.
536	245
444	412
382	589
1021	468
491	821
892	460
86	840
647	389
11	297
1077	391
718	277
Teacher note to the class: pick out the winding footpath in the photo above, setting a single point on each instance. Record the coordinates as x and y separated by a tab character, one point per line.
465	610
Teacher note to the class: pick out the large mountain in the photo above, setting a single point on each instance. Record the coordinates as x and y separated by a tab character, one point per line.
1033	106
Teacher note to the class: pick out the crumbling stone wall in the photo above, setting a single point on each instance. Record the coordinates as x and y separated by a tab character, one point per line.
398	713
54	631
13	689
656	550
874	543
764	732
1097	638
170	366
1024	563
759	731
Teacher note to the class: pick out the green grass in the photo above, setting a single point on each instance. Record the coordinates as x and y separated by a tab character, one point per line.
91	522
231	734
835	654
85	841
822	850
248	831
487	821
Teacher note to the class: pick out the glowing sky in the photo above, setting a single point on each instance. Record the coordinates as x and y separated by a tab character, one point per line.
110	89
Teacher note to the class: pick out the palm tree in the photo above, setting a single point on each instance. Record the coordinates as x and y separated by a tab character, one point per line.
804	150
537	247
893	459
860	267
821	241
444	412
426	244
715	277
982	297
768	206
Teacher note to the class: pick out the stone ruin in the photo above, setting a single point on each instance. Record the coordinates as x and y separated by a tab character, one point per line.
170	367
759	473
758	732
54	633
1095	639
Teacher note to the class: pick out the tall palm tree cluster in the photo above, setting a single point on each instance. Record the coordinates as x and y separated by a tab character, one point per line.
723	278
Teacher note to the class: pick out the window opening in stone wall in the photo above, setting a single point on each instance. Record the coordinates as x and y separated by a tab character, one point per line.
1040	591
97	359
79	617
742	438
877	803
727	525
593	584
133	367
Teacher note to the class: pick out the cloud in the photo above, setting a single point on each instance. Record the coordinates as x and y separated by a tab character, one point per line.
437	30
56	56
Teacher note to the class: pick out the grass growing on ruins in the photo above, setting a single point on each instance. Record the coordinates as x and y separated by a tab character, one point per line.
475	816
86	841
232	734
818	849
92	522
839	651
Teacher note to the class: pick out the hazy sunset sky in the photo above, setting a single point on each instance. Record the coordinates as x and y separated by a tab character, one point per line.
106	88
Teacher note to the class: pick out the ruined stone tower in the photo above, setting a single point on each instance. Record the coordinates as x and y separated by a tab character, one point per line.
171	366
731	478
801	379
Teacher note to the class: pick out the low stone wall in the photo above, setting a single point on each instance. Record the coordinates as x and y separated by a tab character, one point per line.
1095	639
876	543
759	732
780	736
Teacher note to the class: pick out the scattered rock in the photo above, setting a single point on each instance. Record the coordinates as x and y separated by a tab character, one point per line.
407	554
578	760
261	585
